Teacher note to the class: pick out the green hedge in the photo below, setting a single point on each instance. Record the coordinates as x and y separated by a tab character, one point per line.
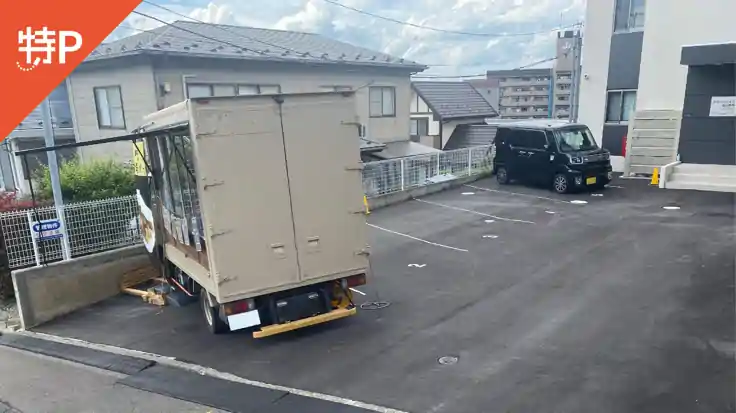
88	181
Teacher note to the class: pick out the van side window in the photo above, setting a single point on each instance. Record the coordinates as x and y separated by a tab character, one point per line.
534	139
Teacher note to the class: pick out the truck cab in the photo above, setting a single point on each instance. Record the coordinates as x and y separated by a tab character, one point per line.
561	155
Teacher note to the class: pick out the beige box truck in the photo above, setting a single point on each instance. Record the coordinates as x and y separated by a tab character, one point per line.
255	205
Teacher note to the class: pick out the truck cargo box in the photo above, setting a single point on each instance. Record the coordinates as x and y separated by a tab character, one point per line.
279	188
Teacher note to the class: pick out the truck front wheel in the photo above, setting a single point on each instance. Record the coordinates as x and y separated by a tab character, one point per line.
211	315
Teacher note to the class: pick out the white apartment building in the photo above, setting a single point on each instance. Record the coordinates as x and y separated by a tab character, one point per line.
636	82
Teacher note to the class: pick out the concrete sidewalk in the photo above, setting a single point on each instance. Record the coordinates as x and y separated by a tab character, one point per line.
39	384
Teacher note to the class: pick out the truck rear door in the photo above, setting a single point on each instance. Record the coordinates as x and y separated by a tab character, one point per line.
324	168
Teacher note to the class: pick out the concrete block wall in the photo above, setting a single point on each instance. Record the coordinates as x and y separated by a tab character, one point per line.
46	292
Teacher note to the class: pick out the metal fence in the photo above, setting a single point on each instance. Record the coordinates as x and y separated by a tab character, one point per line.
33	237
395	175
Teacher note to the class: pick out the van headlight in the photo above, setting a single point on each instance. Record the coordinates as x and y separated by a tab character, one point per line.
576	160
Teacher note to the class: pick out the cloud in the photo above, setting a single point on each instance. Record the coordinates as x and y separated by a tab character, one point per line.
450	54
213	13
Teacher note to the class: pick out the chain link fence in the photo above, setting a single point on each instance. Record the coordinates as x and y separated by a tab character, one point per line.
34	238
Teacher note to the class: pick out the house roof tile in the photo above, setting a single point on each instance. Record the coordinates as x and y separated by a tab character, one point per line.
452	100
247	43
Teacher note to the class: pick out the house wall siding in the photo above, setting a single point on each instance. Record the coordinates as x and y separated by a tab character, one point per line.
296	79
670	25
139	99
420	110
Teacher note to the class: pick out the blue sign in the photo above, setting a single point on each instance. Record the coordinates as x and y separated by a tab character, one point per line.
47	229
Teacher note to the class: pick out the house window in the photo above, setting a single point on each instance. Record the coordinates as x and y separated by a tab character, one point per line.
620	105
199	91
419	127
247	90
382	101
202	90
269	89
629	15
336	88
109	106
223	90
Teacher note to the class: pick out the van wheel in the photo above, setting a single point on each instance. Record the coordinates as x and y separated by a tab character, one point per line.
212	316
502	175
561	184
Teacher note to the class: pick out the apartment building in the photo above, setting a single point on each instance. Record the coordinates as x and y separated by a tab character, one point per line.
535	93
638	95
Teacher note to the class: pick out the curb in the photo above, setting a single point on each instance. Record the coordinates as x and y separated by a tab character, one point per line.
140	367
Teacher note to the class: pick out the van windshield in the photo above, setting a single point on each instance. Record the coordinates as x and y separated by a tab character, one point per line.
575	139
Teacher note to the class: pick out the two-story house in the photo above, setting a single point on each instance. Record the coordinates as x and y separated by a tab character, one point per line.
442	110
122	81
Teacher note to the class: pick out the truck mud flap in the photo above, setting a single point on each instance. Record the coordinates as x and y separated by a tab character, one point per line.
305	322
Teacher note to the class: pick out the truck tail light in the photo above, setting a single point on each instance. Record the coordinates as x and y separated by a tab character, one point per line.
356	280
241	306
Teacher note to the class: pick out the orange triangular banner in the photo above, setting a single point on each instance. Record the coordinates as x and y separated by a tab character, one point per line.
41	43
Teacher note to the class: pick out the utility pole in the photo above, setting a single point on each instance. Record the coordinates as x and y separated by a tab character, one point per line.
48	137
576	73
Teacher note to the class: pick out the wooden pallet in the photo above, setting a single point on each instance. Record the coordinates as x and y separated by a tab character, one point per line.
133	280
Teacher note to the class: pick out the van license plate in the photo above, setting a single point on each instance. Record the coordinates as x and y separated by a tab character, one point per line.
590	181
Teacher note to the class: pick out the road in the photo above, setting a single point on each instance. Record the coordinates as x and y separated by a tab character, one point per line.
33	383
614	305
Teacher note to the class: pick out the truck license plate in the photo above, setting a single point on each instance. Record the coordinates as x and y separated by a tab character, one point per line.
590	181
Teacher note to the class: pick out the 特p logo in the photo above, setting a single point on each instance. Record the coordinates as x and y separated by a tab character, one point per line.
40	46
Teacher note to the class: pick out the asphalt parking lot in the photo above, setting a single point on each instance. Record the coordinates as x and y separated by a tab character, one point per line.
535	303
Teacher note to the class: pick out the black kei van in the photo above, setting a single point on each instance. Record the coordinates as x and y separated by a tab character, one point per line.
558	154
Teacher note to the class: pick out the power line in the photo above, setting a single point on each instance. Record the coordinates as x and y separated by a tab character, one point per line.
222	28
536	63
195	33
435	29
447	77
430	76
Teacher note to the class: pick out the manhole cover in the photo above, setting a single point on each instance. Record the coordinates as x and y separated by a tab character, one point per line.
375	305
447	360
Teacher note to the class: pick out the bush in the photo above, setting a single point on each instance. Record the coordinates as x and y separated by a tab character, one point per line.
88	181
103	225
10	201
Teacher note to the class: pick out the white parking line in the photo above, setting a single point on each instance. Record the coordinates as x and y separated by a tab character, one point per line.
417	239
357	291
206	371
517	193
483	214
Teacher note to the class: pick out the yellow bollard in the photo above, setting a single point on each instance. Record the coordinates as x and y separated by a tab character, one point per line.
655	177
365	204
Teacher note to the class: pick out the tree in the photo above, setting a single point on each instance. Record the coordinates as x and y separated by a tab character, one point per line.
95	225
88	181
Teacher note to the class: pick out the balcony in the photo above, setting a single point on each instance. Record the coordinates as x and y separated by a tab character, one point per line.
519	82
512	92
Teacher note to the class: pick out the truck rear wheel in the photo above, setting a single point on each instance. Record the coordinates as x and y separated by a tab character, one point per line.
212	315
